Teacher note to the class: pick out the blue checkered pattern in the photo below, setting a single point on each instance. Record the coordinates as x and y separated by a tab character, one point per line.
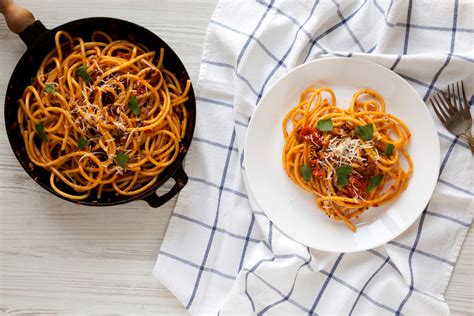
221	255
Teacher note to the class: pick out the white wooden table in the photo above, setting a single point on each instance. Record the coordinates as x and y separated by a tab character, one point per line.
59	257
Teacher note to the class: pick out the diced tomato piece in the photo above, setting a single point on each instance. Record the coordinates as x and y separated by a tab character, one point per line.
356	185
123	55
310	134
318	172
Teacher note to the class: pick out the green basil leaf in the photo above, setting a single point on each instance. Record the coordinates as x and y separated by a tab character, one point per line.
121	159
133	105
342	173
82	142
82	72
325	125
306	172
50	88
365	132
374	182
41	132
389	149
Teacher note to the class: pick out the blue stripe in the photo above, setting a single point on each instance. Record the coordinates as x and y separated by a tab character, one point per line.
304	309
451	49
246	82
238	75
216	63
407	29
371	50
247	239
455	187
367	283
463	57
218	186
202	140
356	40
451	139
335	278
381	256
287	297
418	82
265	49
216	220
435	78
418	26
212	101
449	218
326	282
187	262
270	233
221	230
334	27
376	253
255	267
390	6
249	39
379	7
399	57
289	17
241	124
410	259
435	28
251	270
280	62
421	252
448	154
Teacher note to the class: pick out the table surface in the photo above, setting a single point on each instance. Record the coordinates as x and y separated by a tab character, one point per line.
59	257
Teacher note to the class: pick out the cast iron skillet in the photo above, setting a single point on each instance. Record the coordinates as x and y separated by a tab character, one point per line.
40	41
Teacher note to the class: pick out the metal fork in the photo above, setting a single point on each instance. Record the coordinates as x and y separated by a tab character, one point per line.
452	110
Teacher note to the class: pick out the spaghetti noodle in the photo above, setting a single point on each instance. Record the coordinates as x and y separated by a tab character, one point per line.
349	159
102	116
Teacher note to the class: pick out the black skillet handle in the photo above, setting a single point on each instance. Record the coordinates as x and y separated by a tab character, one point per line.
181	179
22	22
33	32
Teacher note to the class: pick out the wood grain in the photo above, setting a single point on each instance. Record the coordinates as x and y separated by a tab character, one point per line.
56	257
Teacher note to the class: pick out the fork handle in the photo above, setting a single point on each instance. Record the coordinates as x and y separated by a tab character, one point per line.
470	139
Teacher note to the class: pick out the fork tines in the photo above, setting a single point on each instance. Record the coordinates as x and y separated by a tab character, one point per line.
447	104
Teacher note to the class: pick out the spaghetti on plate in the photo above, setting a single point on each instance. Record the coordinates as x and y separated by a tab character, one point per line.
349	160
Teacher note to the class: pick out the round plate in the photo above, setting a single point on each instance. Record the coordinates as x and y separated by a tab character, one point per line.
294	210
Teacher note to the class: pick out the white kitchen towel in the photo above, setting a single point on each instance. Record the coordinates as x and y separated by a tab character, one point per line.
221	255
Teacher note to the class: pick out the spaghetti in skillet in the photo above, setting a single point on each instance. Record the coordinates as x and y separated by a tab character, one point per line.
102	116
349	159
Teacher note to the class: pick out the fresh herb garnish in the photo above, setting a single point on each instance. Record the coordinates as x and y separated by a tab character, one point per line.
82	142
342	173
389	149
306	172
133	105
82	72
325	125
365	132
41	132
374	182
121	159
50	88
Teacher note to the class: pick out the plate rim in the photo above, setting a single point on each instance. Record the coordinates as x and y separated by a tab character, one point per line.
431	123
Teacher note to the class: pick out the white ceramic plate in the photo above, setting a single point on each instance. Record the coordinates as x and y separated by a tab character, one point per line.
294	210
